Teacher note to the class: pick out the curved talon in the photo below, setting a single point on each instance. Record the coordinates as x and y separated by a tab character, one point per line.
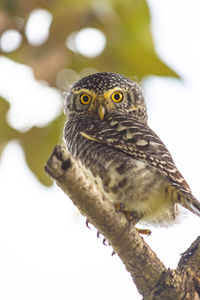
87	224
105	242
98	234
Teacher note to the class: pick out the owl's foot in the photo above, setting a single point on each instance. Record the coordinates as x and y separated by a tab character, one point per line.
132	216
143	231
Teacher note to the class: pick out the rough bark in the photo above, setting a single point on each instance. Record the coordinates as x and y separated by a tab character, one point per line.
151	277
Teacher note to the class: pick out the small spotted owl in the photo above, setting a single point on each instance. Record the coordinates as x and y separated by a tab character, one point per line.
107	132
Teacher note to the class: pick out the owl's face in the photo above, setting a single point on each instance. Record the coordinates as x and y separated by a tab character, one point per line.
98	94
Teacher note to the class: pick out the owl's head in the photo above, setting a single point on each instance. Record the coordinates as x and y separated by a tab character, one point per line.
98	94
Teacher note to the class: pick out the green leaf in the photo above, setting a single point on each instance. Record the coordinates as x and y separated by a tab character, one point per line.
6	132
38	143
126	25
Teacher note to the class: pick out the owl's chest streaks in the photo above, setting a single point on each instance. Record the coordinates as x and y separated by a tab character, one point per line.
119	176
94	156
97	157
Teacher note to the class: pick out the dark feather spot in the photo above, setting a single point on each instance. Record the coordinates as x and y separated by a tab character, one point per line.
114	189
122	182
166	190
124	131
121	169
178	197
133	140
66	164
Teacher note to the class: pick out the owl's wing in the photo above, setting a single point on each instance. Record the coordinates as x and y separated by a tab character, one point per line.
125	133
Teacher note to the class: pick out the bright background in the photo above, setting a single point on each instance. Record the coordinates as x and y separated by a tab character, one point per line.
46	251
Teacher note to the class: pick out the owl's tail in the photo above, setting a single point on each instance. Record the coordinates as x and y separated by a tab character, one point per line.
187	200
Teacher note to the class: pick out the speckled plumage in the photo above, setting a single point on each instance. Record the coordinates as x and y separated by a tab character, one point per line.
121	154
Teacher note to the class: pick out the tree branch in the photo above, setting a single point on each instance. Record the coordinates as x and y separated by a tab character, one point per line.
151	277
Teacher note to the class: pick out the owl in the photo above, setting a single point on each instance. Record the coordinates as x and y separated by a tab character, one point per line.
107	133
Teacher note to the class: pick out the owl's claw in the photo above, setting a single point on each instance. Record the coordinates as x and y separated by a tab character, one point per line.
98	234
87	224
105	242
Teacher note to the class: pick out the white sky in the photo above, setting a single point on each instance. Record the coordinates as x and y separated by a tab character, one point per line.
46	251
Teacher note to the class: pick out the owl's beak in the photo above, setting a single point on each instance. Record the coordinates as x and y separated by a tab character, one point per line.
101	111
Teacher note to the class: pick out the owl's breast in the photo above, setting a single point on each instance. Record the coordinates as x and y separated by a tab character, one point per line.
120	177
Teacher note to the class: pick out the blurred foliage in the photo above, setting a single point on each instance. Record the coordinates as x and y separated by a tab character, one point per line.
36	142
129	50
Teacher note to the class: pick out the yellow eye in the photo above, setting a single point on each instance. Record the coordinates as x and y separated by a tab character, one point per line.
85	98
117	97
